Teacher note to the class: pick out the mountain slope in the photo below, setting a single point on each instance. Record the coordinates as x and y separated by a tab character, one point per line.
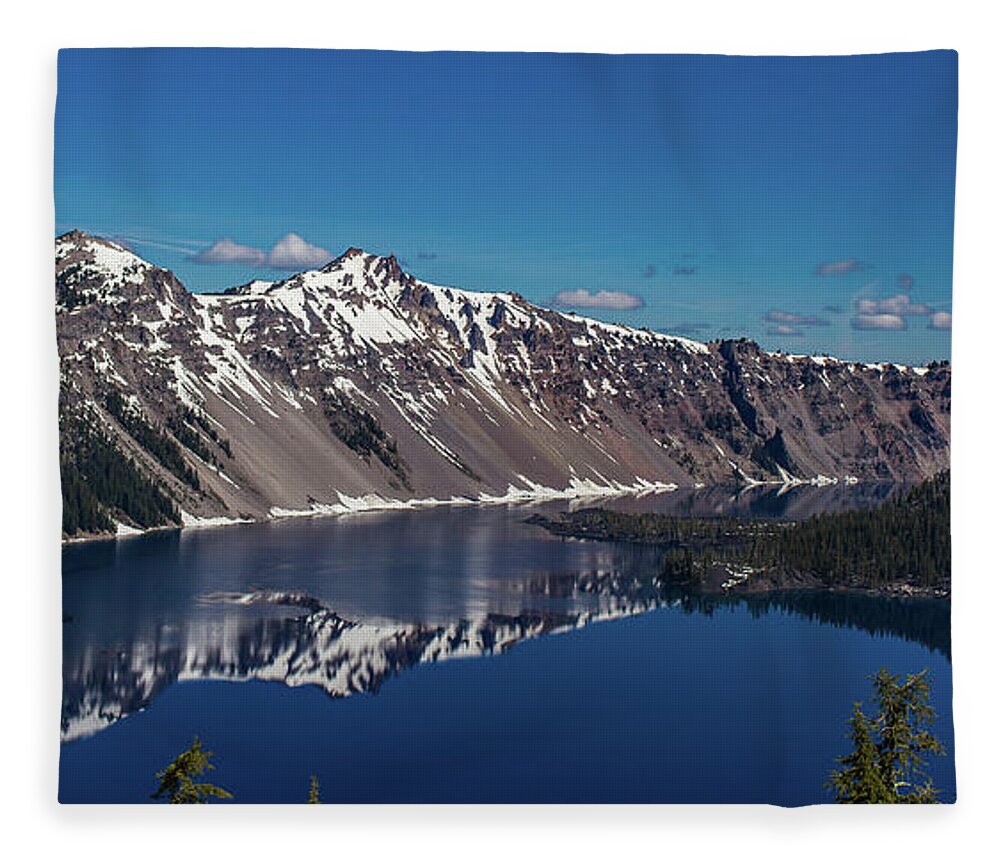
359	380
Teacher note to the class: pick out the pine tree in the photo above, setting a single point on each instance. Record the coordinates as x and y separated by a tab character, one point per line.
177	779
314	789
904	736
859	779
887	762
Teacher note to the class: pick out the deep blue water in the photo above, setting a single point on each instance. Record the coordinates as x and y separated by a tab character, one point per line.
330	647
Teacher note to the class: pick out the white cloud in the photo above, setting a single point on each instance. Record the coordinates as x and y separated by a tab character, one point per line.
293	252
608	299
839	267
884	322
888	314
788	318
899	305
227	251
290	252
941	321
784	330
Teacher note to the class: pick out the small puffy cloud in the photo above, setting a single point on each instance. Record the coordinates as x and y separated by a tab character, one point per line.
905	282
888	314
880	322
290	252
941	321
788	318
900	305
607	299
784	330
293	252
227	251
839	267
649	271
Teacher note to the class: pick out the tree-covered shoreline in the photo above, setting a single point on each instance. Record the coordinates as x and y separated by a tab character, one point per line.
902	546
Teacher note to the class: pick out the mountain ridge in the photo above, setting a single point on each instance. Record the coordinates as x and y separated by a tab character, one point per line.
360	385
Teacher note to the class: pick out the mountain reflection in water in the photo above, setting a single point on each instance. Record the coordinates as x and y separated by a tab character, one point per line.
295	639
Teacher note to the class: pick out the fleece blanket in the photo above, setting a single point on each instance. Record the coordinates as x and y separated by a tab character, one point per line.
625	379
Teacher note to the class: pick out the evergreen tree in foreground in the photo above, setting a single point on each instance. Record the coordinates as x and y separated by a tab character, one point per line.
314	789
887	762
177	781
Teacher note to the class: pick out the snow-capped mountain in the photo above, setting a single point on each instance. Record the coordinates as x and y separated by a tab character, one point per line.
359	385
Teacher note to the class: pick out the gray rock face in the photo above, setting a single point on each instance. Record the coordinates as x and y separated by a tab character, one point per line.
358	384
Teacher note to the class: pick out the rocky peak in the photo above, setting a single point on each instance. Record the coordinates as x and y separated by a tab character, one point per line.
75	237
91	269
359	271
386	268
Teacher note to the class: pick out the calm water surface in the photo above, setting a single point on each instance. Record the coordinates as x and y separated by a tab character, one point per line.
333	647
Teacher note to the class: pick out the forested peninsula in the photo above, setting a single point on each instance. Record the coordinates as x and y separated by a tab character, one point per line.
902	547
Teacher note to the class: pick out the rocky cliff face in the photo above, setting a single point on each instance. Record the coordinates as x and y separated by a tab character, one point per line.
359	385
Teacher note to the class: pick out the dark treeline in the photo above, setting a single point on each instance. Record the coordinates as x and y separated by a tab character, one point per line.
98	479
164	449
675	532
360	431
904	541
185	428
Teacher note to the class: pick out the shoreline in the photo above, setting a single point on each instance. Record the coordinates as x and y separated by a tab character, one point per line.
775	583
722	556
374	503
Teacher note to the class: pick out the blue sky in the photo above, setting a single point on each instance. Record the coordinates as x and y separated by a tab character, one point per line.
804	202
